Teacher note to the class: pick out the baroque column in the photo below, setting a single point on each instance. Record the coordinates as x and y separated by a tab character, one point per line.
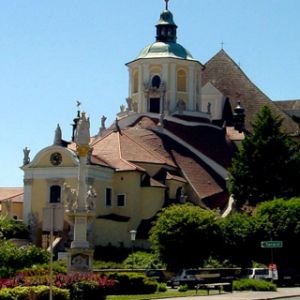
80	204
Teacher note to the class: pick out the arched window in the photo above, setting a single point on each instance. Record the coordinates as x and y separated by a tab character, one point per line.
55	194
135	82
181	81
156	81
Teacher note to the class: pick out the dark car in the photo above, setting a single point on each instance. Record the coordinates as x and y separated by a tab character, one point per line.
156	274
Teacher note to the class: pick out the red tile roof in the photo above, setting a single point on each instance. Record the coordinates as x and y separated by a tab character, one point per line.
209	140
13	193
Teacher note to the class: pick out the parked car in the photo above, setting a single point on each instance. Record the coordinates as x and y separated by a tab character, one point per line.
258	273
192	277
157	275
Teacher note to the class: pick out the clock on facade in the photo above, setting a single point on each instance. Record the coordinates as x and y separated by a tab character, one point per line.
55	158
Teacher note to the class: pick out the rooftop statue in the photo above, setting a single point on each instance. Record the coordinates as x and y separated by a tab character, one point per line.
58	136
26	159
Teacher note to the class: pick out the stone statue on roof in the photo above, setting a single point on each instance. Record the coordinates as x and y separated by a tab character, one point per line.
135	106
129	103
122	108
83	130
180	106
209	108
57	136
103	119
26	159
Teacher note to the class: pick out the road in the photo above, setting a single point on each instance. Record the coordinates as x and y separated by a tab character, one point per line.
282	293
291	298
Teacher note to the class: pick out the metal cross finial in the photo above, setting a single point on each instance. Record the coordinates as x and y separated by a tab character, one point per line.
167	5
222	44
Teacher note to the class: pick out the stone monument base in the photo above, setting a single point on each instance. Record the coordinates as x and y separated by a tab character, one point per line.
80	260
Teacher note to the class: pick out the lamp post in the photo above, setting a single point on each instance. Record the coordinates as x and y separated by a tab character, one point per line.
132	238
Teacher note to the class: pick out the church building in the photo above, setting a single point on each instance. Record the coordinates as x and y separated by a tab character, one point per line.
171	143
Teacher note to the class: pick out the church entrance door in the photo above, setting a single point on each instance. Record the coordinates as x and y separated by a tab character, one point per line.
155	105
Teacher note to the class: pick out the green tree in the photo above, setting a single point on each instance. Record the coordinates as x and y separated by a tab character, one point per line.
239	240
279	220
185	235
10	228
13	258
267	165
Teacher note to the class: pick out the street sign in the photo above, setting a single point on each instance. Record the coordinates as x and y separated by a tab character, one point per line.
271	244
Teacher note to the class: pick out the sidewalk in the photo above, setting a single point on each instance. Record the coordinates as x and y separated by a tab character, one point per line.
281	293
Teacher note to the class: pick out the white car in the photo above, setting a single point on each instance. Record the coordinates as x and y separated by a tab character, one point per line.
261	273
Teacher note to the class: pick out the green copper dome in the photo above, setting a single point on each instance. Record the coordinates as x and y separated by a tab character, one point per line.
162	49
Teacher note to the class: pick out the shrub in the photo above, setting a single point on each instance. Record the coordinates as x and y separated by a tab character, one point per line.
162	287
59	267
13	258
37	293
86	290
42	293
143	260
183	288
10	228
100	264
253	285
133	283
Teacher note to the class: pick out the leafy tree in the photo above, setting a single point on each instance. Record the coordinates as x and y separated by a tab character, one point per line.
185	235
10	228
268	164
239	240
13	258
279	220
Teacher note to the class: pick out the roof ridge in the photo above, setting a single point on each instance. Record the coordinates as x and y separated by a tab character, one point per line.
12	196
120	154
100	138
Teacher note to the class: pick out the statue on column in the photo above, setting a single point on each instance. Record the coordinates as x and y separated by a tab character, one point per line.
83	130
90	198
26	159
70	197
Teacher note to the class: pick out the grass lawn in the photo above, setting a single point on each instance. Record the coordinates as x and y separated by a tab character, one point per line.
167	294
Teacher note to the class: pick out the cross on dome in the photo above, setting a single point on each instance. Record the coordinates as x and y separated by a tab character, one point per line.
167	5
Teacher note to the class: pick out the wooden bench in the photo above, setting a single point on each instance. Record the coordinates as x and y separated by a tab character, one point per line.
214	286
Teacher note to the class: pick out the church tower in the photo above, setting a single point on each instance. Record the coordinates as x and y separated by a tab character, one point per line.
165	78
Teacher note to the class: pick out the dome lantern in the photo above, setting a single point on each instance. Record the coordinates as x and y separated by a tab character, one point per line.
166	29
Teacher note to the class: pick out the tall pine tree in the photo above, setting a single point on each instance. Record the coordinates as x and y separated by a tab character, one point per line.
267	165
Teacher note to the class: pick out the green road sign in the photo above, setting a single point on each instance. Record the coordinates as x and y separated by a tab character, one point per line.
271	244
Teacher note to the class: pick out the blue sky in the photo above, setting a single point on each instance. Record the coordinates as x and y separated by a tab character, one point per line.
54	52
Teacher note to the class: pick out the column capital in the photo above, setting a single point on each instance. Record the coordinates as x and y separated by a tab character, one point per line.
28	181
